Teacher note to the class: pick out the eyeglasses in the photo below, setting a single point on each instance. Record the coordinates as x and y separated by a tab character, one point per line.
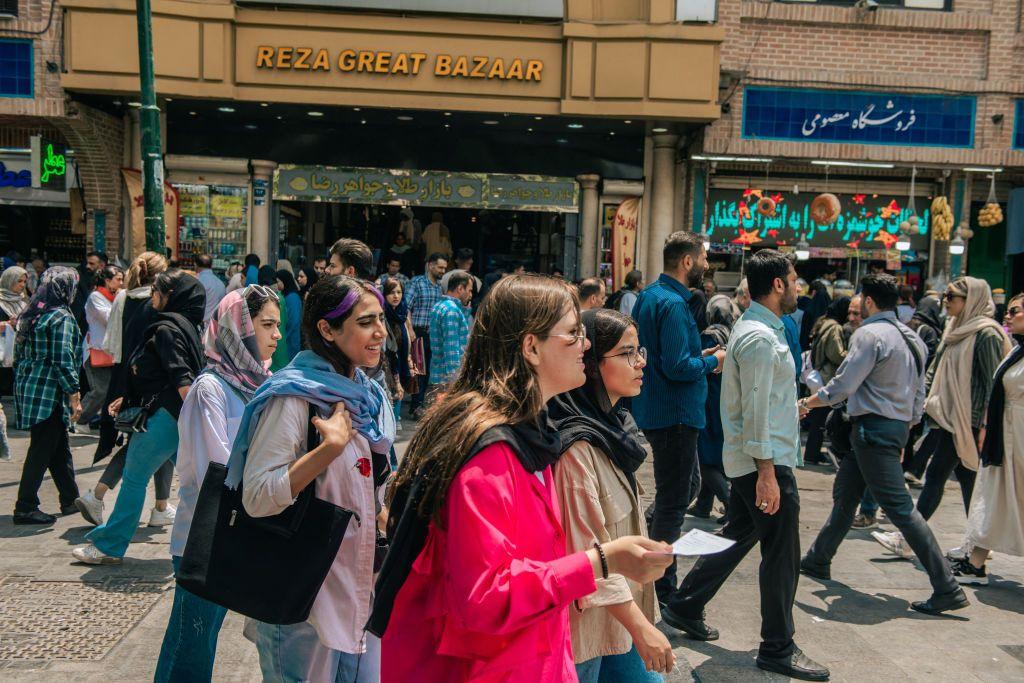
572	339
633	356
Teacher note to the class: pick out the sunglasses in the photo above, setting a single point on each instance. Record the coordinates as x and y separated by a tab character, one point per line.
1013	311
946	296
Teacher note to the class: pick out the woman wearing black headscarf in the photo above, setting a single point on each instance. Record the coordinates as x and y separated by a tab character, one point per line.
828	350
613	634
305	279
817	307
161	370
928	323
47	356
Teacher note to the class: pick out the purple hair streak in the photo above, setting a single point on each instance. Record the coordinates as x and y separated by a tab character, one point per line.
350	300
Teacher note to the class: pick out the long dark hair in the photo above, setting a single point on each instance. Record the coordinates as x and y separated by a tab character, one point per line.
325	296
609	326
495	386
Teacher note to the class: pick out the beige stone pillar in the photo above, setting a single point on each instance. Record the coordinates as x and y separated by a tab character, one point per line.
259	216
662	202
589	236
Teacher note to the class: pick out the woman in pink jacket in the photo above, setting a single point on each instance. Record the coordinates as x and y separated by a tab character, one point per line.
477	583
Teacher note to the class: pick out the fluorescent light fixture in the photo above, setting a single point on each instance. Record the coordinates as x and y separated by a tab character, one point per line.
192	113
356	109
490	122
363	122
627	121
903	243
314	113
226	110
135	104
529	130
537	118
562	141
803	250
659	130
748	160
447	113
979	169
575	125
264	104
251	126
957	246
404	118
852	164
15	150
611	132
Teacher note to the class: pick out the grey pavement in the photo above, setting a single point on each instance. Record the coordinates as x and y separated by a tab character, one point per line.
61	620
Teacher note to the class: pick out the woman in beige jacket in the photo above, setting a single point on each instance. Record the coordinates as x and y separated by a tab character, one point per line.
613	633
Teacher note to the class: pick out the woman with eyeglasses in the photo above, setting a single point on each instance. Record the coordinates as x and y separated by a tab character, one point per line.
996	520
613	633
478	583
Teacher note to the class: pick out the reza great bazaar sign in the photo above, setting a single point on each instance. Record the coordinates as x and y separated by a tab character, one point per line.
398	63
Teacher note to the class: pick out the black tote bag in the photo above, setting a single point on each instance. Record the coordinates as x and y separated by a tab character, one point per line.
267	568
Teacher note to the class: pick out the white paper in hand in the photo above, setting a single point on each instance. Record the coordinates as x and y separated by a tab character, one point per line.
697	542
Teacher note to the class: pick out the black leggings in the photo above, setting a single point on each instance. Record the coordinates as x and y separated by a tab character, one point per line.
944	462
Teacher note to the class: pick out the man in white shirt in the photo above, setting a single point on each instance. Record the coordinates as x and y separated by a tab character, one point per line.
215	289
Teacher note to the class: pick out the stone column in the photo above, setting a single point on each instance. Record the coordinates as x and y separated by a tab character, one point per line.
259	217
662	202
588	229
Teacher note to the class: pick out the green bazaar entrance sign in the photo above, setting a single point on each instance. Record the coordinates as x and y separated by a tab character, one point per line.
425	188
49	164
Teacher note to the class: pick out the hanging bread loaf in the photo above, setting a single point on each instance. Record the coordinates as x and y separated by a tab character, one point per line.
825	209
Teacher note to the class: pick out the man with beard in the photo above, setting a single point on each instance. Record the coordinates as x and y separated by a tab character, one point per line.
762	446
670	408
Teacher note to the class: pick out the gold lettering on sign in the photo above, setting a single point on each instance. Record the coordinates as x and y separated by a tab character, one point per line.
347	60
322	61
284	58
264	57
479	67
302	57
443	65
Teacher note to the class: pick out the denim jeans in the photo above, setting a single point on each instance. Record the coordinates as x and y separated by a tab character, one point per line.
190	643
626	668
294	654
868	504
676	482
877	445
147	451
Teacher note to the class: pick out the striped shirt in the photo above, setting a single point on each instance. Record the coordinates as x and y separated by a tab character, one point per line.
449	334
421	297
46	368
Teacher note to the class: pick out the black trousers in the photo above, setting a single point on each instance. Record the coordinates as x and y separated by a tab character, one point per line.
877	444
779	538
713	484
919	459
676	481
815	423
944	462
48	449
418	398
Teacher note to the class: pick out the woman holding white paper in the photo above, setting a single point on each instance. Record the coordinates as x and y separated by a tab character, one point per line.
613	633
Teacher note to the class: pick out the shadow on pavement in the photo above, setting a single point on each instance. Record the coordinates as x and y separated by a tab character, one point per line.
151	570
1004	595
850	606
9	530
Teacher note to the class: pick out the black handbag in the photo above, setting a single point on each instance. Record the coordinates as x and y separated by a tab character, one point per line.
267	568
839	430
132	420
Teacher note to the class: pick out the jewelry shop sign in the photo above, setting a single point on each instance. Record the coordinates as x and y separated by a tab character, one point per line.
426	188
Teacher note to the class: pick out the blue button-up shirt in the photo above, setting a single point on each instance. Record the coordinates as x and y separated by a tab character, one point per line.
449	334
879	375
675	381
760	418
422	296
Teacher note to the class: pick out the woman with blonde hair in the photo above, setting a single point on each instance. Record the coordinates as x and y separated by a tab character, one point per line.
478	584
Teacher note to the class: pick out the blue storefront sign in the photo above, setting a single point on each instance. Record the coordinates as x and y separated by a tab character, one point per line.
864	118
1018	124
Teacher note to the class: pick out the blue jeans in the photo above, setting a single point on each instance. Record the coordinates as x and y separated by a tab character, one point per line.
868	504
190	643
147	451
627	668
398	410
294	654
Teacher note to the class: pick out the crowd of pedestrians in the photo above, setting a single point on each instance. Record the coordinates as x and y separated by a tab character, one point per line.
509	542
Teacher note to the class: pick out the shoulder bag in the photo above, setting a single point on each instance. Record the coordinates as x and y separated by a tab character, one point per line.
267	568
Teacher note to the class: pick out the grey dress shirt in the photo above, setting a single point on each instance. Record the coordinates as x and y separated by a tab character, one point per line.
879	375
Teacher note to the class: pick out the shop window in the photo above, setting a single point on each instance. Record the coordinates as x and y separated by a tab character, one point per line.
214	221
942	5
15	68
8	8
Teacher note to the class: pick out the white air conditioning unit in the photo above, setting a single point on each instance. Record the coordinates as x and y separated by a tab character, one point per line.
925	4
705	11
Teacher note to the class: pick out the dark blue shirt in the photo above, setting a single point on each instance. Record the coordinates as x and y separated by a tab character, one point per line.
793	339
675	380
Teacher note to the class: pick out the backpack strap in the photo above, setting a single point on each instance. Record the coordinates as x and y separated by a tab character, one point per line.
913	349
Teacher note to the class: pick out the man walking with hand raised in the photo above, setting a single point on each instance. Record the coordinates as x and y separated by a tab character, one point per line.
762	446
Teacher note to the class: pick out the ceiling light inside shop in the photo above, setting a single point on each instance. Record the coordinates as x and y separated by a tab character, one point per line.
264	104
979	169
537	118
363	121
357	108
852	164
659	130
748	160
445	125
490	122
529	130
280	118
628	121
611	132
903	242
192	113
575	125
404	118
251	126
957	246
803	250
226	110
447	113
314	113
134	104
561	141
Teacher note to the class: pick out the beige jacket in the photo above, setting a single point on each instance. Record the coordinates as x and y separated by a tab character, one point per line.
598	506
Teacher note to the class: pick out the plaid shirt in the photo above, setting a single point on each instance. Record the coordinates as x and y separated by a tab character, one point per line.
421	297
46	368
449	334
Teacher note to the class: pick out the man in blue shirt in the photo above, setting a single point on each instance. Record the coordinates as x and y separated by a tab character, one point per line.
449	329
670	407
424	292
762	446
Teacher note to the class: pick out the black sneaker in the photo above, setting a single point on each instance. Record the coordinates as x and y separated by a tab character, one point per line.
966	574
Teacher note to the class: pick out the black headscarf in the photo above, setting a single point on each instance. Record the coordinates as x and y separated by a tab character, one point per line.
398	337
183	315
311	278
288	280
817	307
586	414
56	290
992	450
929	312
267	277
698	304
839	309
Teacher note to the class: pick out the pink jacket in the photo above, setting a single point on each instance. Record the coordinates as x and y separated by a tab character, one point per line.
487	598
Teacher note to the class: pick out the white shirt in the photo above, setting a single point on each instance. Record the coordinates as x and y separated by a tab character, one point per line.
207	426
97	313
342	606
627	302
215	291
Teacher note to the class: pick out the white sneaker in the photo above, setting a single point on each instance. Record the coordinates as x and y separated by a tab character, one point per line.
91	508
162	517
90	554
894	543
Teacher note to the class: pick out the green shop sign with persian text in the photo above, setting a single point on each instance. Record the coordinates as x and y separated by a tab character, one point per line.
425	188
49	164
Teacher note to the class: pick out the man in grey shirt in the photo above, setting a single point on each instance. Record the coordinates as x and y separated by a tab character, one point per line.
882	382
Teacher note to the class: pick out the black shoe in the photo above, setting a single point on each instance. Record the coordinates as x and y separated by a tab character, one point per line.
796	665
33	517
723	519
942	602
966	574
815	571
695	628
694	512
66	510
